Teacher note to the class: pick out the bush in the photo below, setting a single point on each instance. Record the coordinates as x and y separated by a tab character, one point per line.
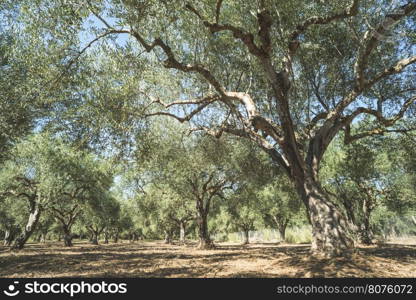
299	235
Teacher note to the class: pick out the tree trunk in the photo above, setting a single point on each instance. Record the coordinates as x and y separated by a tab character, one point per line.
204	239
168	237
115	238
282	231
67	236
182	227
366	235
246	237
330	236
68	240
43	238
34	216
106	236
9	236
281	224
94	239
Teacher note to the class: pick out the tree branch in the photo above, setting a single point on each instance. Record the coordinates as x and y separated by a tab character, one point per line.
373	37
350	11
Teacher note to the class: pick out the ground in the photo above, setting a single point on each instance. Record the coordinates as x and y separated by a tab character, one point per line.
155	259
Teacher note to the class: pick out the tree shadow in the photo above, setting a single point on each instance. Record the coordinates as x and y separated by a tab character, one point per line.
155	259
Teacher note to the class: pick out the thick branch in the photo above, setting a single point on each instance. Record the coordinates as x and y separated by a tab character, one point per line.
203	103
397	68
173	63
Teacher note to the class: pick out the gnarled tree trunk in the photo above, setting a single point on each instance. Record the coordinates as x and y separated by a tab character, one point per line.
330	232
205	241
34	216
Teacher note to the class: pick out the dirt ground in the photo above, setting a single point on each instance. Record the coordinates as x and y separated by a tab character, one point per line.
155	259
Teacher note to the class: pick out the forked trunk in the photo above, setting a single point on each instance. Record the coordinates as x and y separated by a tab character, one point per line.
330	236
281	224
34	216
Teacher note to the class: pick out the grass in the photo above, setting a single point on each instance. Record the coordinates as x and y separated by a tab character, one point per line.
155	259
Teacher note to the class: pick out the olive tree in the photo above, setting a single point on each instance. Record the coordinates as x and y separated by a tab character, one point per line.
288	75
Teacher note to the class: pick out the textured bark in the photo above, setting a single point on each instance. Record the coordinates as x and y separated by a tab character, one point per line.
330	236
366	234
203	235
33	220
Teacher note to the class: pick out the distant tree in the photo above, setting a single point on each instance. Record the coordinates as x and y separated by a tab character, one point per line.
279	204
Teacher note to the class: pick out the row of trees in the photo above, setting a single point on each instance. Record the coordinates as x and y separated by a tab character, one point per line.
43	179
185	187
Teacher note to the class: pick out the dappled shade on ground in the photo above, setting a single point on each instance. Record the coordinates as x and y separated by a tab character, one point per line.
155	259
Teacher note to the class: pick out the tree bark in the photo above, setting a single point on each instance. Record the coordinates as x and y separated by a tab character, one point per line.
330	236
94	239
6	237
204	239
168	237
9	236
366	234
282	231
67	236
34	216
281	224
182	228
246	237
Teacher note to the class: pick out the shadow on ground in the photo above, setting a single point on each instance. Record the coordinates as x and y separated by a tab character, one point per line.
155	259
